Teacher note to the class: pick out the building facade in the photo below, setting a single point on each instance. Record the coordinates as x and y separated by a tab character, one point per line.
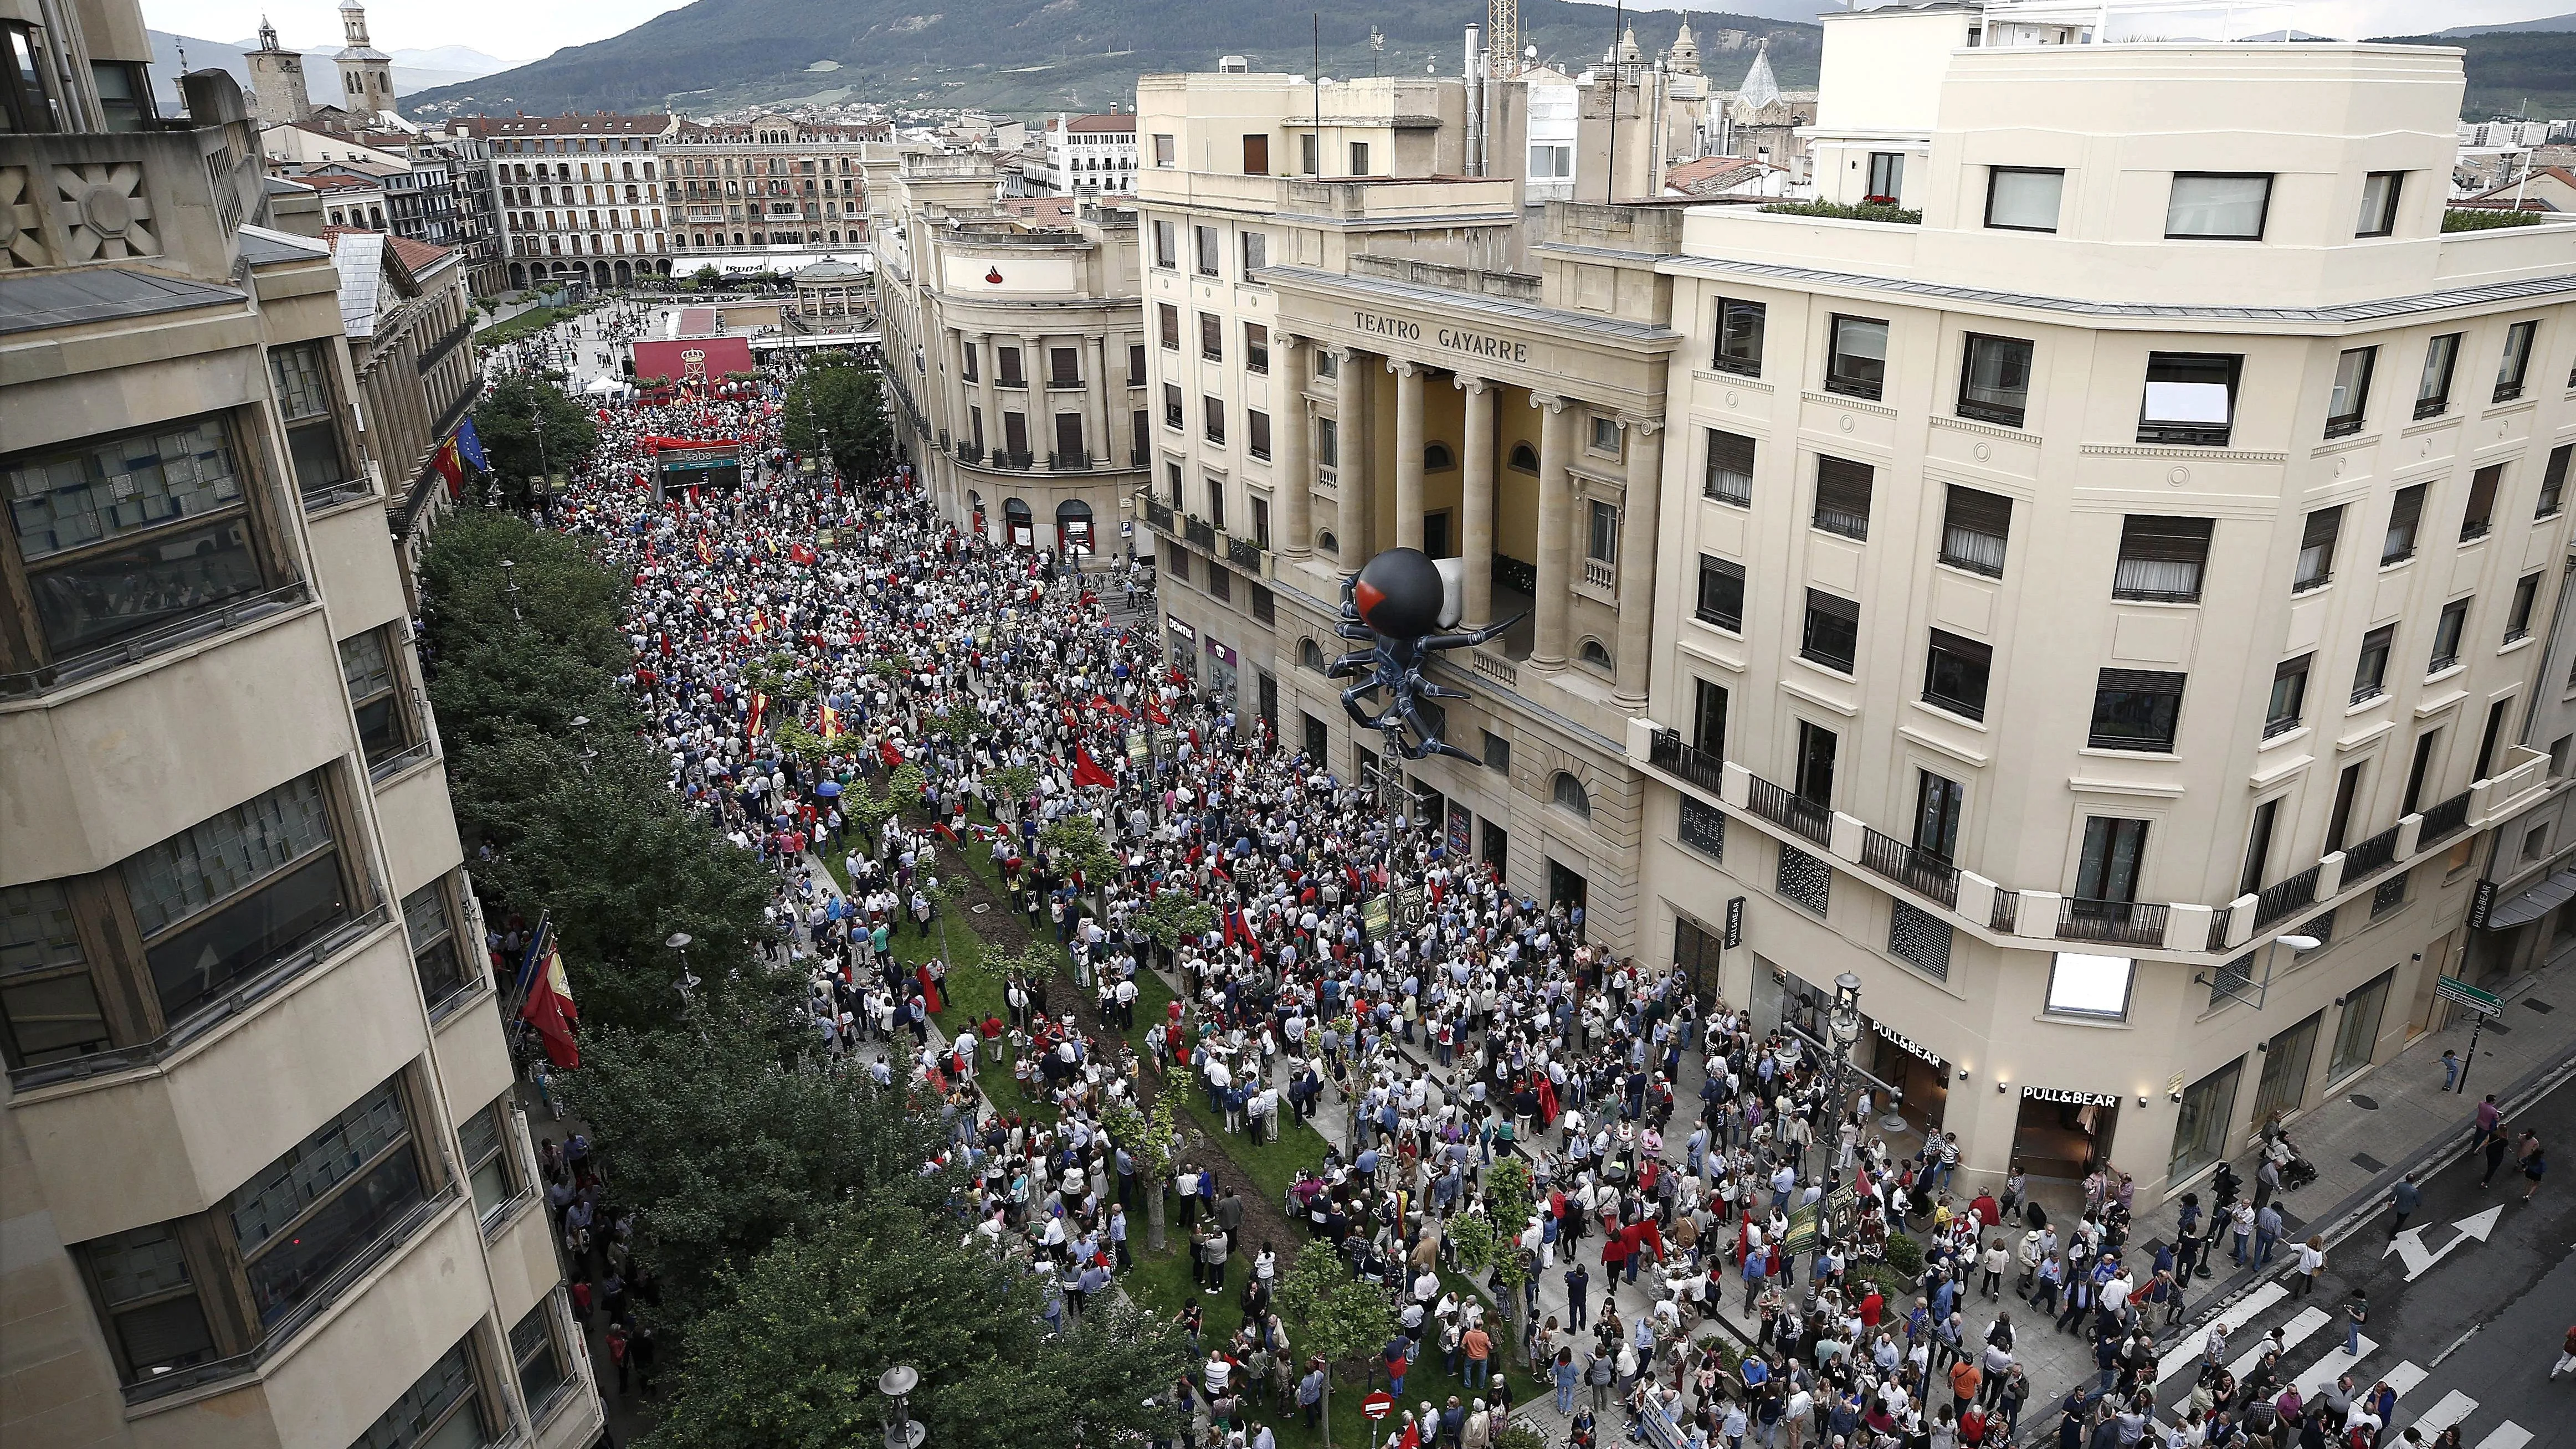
1087	156
2114	668
576	196
1013	351
772	184
260	1169
408	317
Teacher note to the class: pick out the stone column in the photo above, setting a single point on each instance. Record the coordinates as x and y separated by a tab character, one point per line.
1642	510
985	358
1292	479
1476	510
1095	400
1408	452
1555	531
1351	474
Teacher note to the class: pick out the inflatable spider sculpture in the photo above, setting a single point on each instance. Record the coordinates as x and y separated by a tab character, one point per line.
1395	603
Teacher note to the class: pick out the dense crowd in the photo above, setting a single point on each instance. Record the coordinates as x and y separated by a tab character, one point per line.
1710	1161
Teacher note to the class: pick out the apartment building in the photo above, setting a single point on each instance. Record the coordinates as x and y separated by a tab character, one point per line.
768	184
2105	617
410	325
1014	352
576	196
1087	156
261	1176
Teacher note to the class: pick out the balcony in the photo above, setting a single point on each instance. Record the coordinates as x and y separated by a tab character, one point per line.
2297	893
1158	516
2123	923
1069	462
1925	873
1600	575
1201	535
1799	814
1245	554
2005	915
2443	819
1667	752
2371	855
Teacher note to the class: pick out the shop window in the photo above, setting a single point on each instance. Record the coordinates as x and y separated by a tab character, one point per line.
2202	1121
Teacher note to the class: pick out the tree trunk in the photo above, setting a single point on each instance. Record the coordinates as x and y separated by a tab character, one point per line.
1328	1406
1154	1214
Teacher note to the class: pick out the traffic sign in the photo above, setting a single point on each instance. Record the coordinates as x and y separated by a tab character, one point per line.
2460	993
1378	1405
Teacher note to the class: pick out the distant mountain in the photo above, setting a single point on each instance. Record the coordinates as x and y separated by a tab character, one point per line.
2553	22
1044	55
414	70
2516	71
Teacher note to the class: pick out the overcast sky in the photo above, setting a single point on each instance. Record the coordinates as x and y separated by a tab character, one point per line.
515	30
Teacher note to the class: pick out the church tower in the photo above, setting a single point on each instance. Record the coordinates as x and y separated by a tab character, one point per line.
1683	58
366	73
277	90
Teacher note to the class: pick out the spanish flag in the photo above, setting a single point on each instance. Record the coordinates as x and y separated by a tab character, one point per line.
706	550
449	463
550	1010
831	723
759	707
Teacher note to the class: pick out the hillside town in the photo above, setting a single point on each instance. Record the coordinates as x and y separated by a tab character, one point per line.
1312	759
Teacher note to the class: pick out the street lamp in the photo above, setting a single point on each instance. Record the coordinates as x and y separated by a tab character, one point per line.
902	1431
1843	1021
510	582
582	722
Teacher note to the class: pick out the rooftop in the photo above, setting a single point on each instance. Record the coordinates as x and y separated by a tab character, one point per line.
601	123
98	294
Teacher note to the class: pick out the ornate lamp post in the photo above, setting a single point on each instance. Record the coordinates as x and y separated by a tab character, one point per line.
1843	1021
902	1431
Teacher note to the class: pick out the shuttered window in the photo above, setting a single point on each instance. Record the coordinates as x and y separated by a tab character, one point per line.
1842	496
2161	558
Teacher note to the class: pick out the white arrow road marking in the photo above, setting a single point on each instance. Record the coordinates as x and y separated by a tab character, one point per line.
2454	1408
2334	1365
2184	1355
2293	1333
2409	1245
2507	1435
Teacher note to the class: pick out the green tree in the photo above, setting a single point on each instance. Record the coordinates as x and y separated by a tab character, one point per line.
1333	1315
1074	841
790	1358
839	410
1172	917
531	426
706	278
1147	1135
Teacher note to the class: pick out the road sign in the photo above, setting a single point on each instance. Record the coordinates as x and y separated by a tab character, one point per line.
1378	1405
2460	993
2409	1245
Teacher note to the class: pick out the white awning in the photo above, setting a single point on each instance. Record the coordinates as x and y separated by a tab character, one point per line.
2534	903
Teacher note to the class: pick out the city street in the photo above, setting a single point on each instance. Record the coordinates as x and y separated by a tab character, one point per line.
2468	1308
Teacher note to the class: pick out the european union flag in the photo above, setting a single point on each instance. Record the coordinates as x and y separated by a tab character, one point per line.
470	445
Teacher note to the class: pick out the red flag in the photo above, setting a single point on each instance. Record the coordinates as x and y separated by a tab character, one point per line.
893	757
550	1010
450	466
1087	771
1154	712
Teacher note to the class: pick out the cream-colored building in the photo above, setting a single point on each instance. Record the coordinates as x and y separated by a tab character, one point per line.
1013	354
768	185
2136	563
261	1179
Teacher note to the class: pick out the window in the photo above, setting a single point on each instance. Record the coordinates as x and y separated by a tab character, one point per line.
1008	365
1169	318
2479	515
2190	398
1886	176
1256	155
2516	362
2416	771
1215	409
2351	396
302	375
1211	337
2085	985
375	693
2161	559
1328	445
299	1220
1842	496
540	1361
1172	415
1359	158
2023	198
1730	469
2136	709
481	1140
435	954
1551	163
2204	1121
2405	512
1166	243
2289	696
2217	206
1595	653
120	536
1568	792
1817	747
1994	380
1954	674
2378	203
1721	594
222	900
2357	1034
1256	433
1256	348
1601	534
2316	549
444	1410
2283	1084
1498	758
49	1009
1832	636
1261	506
2433	390
1708	718
1436	458
1523	458
2370	670
968	352
1858	363
1135	364
2446	636
1328	363
2553	480
1163	149
1974	528
1606	434
1307	164
2497	713
1938	802
2517	619
2258	847
156	1324
1739	337
1216	502
1064	367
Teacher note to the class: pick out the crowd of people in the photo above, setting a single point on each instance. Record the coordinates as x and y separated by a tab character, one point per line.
995	690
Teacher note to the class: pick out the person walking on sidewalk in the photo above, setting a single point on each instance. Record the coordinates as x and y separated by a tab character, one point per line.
2404	1199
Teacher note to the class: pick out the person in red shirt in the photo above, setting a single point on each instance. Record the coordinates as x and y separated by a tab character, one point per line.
1988	1213
1871	1309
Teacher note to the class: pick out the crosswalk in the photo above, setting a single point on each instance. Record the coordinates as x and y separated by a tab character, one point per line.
2454	1409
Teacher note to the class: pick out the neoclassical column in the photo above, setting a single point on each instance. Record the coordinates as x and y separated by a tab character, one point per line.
1351	470
1408	451
1476	506
1292	479
1095	401
1555	530
986	355
1640	513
